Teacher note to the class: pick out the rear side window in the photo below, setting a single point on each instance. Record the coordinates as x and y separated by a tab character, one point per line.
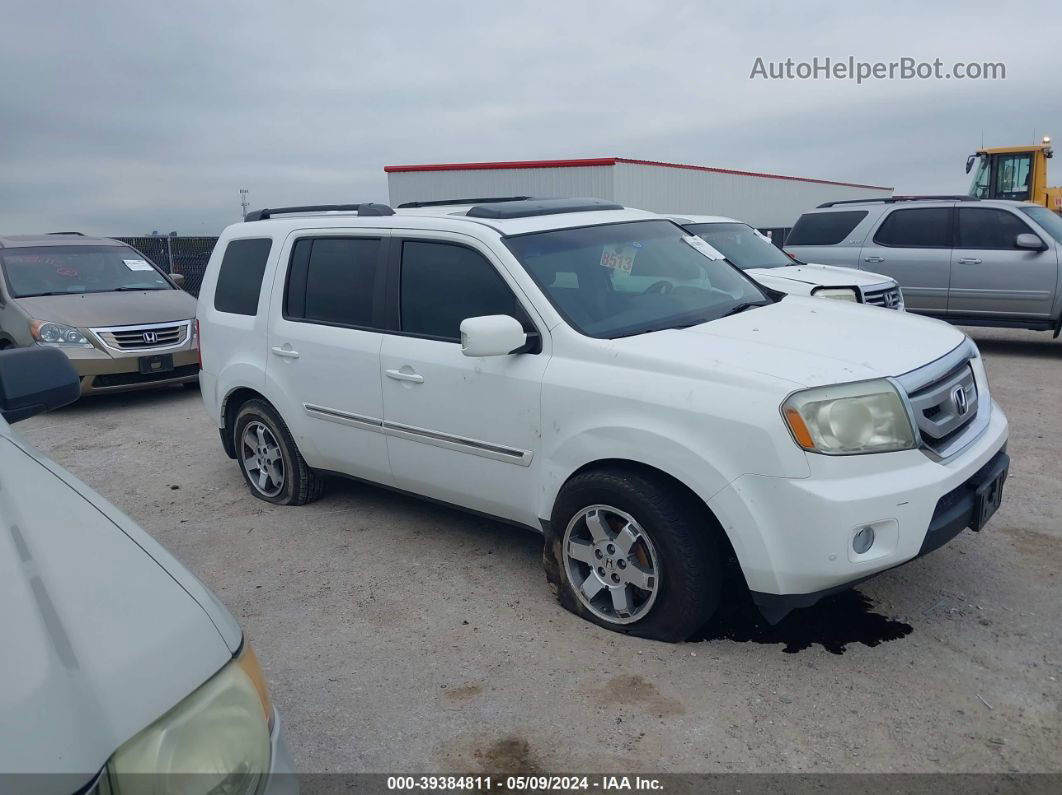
987	228
240	276
443	284
925	227
824	229
332	280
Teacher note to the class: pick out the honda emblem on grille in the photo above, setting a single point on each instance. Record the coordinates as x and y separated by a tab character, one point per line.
958	397
151	337
890	300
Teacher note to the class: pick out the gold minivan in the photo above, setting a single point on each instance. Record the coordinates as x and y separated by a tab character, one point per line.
123	323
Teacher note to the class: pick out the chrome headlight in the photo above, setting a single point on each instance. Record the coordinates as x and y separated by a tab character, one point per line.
848	419
47	333
837	293
220	733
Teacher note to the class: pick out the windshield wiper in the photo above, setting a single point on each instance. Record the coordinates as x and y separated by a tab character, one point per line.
739	308
129	289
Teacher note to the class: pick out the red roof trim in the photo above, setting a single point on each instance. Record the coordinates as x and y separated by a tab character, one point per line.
611	161
596	161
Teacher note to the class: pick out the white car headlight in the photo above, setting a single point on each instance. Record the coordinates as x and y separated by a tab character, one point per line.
837	293
47	333
220	733
849	419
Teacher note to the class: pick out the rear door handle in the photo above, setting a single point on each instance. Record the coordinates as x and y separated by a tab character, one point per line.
399	375
286	353
873	259
969	261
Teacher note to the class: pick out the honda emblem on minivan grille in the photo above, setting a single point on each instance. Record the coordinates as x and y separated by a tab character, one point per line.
150	337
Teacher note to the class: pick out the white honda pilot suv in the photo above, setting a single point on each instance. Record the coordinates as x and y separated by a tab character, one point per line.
592	372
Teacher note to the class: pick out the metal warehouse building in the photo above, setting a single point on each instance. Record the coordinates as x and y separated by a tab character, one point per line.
767	201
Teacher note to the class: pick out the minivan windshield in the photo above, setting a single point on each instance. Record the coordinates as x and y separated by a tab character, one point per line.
74	270
1050	221
741	244
615	280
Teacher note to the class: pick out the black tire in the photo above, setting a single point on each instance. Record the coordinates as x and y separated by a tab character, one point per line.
681	530
300	484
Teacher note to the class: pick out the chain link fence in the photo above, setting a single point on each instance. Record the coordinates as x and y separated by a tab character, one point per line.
185	255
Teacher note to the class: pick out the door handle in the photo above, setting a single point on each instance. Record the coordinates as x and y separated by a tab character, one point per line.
968	261
873	259
286	353
398	375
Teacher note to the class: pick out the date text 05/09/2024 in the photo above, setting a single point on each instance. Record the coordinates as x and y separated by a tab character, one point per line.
537	783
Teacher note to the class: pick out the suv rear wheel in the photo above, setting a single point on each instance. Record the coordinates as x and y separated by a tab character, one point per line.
270	462
632	552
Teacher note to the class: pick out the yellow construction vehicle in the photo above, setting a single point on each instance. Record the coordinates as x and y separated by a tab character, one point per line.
1014	172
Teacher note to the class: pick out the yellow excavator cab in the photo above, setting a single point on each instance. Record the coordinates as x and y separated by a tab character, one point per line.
1014	172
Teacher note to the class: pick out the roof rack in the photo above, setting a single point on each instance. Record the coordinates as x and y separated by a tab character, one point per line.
368	208
447	202
79	234
894	199
527	208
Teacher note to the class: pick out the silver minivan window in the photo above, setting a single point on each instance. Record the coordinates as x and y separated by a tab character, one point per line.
1049	221
73	270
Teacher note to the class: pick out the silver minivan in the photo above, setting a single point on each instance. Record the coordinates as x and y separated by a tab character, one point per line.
964	260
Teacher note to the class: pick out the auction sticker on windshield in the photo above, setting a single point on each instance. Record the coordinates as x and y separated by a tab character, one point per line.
619	257
138	265
697	243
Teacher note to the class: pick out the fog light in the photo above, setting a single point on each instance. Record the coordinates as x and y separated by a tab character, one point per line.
863	540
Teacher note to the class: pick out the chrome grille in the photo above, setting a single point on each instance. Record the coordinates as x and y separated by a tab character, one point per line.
889	297
137	338
943	408
947	407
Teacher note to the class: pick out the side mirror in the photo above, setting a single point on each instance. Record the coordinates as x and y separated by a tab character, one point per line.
1028	240
969	162
34	380
491	335
178	279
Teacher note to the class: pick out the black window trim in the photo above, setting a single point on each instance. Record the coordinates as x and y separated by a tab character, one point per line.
1011	247
393	294
952	221
379	281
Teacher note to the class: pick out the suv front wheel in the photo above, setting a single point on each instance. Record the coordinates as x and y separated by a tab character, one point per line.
633	553
270	462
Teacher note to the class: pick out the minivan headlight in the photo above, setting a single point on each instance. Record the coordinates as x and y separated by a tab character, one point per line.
849	419
837	293
46	332
220	733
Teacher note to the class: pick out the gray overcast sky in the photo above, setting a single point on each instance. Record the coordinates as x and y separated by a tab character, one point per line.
121	118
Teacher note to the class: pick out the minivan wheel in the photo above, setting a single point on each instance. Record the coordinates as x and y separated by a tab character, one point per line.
633	552
270	462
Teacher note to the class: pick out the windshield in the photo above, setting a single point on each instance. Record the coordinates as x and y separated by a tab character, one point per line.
62	270
742	245
1050	221
615	280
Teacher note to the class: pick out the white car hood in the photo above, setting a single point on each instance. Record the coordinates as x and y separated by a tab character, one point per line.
802	341
820	275
99	638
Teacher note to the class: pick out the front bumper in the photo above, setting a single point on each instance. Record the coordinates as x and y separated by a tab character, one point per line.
282	779
103	371
793	536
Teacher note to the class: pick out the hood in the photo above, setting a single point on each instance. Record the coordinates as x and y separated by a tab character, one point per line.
99	638
821	275
110	309
803	342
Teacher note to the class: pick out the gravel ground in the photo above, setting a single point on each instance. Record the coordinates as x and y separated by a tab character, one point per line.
399	636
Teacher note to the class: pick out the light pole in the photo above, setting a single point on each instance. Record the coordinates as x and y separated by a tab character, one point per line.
243	202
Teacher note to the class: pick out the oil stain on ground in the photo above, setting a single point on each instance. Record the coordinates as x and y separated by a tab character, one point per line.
635	691
834	623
